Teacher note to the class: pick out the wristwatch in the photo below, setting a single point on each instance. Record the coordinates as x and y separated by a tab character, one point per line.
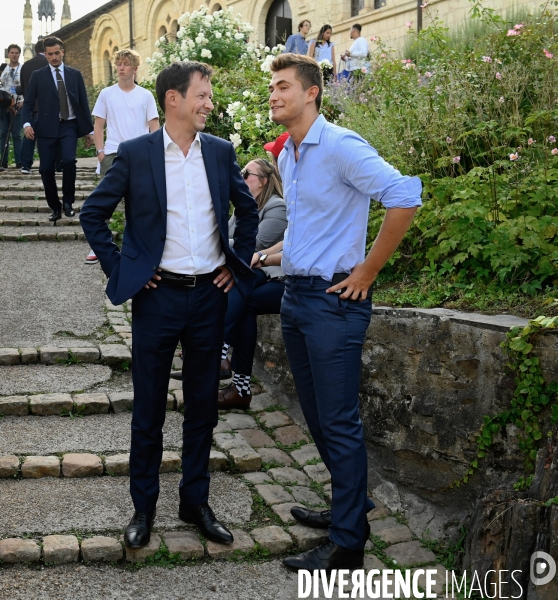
99	151
263	258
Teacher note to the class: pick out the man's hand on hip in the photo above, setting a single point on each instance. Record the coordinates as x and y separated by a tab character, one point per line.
357	284
152	282
29	133
224	279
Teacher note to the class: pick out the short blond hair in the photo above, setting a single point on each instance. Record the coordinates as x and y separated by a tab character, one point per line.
130	55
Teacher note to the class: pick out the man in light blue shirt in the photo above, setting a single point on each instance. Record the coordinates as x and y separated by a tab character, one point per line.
329	175
296	43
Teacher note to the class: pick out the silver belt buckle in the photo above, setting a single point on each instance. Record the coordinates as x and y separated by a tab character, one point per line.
188	278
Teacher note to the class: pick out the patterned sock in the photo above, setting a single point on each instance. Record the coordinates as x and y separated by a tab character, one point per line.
225	350
242	384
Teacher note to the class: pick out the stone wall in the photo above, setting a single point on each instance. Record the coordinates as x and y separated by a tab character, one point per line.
428	377
78	55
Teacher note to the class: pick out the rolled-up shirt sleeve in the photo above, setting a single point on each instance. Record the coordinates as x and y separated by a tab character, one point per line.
361	167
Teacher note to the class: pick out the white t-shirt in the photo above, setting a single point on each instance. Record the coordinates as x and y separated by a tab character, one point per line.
359	52
127	114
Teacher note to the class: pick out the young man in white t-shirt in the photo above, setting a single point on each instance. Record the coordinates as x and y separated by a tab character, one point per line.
128	111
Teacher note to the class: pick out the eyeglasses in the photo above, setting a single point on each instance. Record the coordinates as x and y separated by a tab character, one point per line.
247	174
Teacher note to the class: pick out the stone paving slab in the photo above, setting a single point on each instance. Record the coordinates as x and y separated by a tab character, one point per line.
33	379
37	304
103	504
95	433
267	580
242	544
255	437
274	539
288	475
390	531
408	554
275	456
184	543
101	548
306	453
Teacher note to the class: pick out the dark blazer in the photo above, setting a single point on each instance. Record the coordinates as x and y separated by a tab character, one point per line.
42	88
30	66
138	175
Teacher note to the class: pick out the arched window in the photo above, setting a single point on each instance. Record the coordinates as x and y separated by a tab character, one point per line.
278	24
107	67
356	7
215	8
162	32
171	35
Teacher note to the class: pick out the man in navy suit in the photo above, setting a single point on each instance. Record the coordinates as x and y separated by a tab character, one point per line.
177	265
63	116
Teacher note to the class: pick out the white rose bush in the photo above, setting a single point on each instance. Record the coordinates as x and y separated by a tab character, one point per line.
241	79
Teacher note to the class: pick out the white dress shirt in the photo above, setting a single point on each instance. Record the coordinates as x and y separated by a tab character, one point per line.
193	244
359	52
53	71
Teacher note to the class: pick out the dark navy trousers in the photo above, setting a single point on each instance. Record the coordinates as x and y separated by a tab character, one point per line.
323	337
160	318
241	324
65	147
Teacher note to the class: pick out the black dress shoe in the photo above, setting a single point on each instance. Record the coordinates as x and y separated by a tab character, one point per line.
69	211
176	375
202	516
327	556
55	216
138	532
312	518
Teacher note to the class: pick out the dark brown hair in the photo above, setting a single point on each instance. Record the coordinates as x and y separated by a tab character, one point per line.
307	71
39	47
301	24
14	46
178	76
51	41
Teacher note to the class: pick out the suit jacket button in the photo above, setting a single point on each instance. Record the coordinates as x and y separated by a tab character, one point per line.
153	268
163	238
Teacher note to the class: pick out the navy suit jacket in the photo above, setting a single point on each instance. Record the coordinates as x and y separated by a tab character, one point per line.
43	89
138	175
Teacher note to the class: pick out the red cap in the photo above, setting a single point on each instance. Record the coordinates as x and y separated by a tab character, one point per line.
276	146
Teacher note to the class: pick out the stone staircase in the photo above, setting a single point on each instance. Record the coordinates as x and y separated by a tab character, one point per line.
65	404
24	212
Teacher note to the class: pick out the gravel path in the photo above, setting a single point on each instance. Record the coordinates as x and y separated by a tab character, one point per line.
48	289
94	433
49	505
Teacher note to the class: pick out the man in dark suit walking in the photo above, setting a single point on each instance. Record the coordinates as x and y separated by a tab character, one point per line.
177	265
63	116
29	67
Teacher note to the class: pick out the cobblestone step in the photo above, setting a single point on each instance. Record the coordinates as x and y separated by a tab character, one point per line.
27	207
42	234
24	218
36	195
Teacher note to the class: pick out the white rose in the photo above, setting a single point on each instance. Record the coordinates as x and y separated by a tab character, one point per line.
157	44
235	139
258	123
228	33
237	126
191	44
162	39
239	36
205	53
246	93
218	35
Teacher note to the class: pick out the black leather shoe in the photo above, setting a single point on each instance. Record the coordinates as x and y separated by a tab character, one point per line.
202	516
69	211
176	375
138	532
327	556
226	369
55	216
312	518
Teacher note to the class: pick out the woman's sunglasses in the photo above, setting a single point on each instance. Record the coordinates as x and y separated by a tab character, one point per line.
247	174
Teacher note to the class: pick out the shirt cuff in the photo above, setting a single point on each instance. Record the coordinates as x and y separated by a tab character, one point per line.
26	125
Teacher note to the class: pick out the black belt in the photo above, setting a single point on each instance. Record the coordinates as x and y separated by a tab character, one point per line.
181	280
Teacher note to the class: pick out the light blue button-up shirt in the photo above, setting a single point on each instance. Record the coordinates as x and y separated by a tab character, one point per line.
296	44
328	195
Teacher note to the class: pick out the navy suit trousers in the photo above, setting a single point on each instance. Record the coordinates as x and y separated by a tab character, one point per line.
241	320
323	337
64	146
161	317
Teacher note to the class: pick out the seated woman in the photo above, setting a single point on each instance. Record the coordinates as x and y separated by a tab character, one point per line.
241	318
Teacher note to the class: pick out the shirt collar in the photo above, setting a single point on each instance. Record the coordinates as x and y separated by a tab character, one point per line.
313	135
167	141
53	69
